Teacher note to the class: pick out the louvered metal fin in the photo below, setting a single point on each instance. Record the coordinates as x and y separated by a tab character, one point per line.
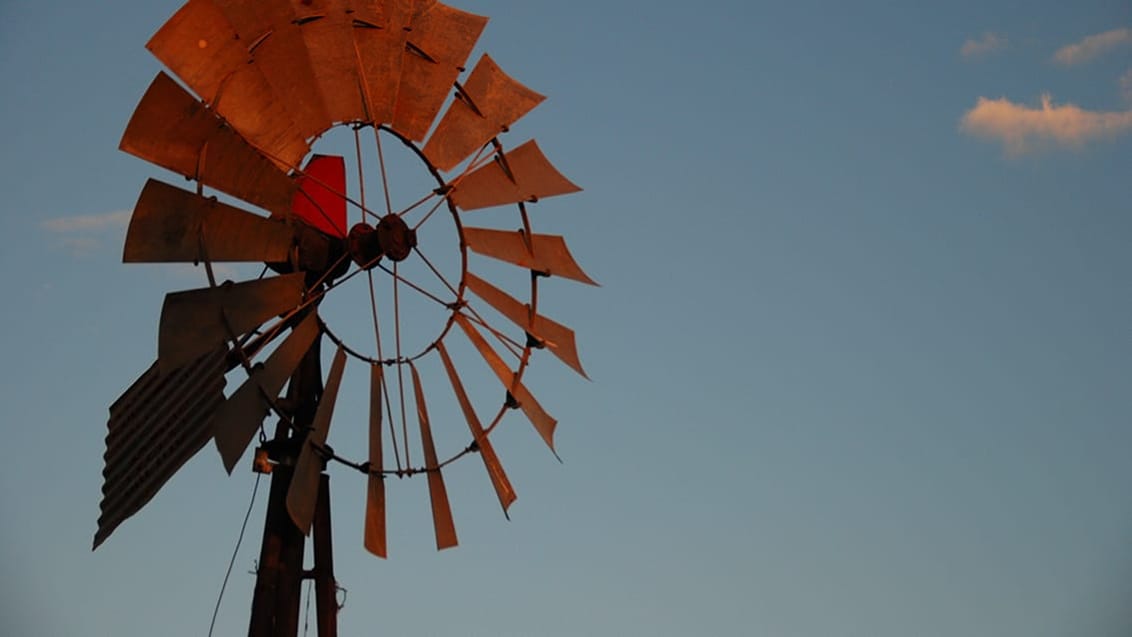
375	488
438	494
195	321
160	422
524	174
237	420
545	253
302	496
174	225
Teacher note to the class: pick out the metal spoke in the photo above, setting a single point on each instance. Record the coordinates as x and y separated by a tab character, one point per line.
381	163
400	370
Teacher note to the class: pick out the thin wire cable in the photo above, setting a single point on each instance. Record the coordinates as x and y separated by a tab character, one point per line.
231	562
307	614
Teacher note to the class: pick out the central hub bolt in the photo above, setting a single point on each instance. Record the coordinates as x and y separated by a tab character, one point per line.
392	238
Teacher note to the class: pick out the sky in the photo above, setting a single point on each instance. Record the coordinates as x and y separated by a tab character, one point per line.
860	356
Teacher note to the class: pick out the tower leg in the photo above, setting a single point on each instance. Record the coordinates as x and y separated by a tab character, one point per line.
326	589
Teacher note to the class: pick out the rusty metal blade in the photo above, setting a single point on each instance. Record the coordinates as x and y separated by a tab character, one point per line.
547	253
241	415
195	321
174	130
492	101
558	338
327	27
491	462
440	42
155	427
441	511
381	29
302	496
174	225
525	175
543	423
277	48
375	492
202	48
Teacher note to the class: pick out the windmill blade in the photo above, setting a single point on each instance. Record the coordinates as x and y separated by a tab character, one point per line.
546	253
543	423
174	130
327	27
237	420
195	321
525	175
558	338
441	511
491	102
174	225
155	427
491	462
277	48
375	491
441	39
302	496
202	48
381	29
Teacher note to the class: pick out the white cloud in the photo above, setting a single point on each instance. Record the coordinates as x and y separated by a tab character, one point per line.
988	43
87	223
1023	129
1092	46
1126	85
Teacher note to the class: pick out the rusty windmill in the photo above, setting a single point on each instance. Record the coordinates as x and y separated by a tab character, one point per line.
260	82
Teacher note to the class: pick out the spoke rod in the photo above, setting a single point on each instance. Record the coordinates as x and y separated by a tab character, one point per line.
400	367
409	283
435	271
381	163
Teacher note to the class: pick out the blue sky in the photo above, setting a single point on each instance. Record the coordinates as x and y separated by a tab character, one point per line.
860	357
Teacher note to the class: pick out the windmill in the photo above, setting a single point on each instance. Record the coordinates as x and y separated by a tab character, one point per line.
260	82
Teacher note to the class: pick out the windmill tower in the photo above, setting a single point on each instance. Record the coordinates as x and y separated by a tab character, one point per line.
260	82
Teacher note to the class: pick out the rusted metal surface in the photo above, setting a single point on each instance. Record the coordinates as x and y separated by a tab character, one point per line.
380	32
155	427
238	419
276	47
327	27
195	321
303	494
545	253
441	40
174	225
437	493
325	587
492	101
543	423
557	338
491	462
201	47
173	129
375	488
524	175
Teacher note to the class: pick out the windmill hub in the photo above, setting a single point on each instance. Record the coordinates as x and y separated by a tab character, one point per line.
392	238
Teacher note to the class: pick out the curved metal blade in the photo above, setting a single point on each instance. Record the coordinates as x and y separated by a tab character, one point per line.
441	511
375	491
546	253
195	321
174	130
381	29
202	48
237	420
490	103
327	27
302	496
440	41
558	338
543	423
155	427
276	47
174	225
491	462
526	175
